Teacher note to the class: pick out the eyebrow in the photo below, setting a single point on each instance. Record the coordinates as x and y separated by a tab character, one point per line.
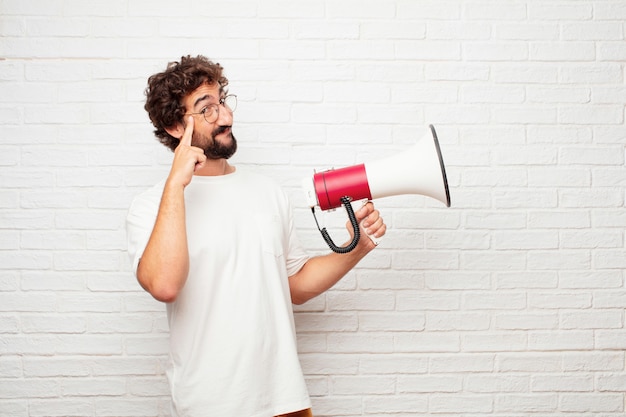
204	97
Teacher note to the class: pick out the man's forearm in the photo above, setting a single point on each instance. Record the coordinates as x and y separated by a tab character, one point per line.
321	273
164	264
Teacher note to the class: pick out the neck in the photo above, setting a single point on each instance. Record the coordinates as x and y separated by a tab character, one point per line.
215	167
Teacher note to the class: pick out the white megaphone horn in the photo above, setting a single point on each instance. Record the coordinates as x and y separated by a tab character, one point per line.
420	170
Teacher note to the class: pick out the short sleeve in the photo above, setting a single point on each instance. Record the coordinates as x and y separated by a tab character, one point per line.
140	222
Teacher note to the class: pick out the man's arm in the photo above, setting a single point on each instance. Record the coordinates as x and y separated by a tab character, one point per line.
322	272
164	265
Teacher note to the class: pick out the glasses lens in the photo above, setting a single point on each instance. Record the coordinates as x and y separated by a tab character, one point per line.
230	102
211	113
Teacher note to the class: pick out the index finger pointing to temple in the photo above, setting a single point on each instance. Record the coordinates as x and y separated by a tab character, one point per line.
188	133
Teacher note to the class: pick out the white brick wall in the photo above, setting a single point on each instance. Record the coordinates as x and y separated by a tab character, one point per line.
510	303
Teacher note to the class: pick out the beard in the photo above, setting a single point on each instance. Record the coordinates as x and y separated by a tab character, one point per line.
214	149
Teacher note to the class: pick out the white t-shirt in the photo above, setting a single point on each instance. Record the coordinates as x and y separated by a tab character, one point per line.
232	336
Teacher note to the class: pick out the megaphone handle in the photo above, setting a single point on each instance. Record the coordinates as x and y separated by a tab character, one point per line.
373	238
355	226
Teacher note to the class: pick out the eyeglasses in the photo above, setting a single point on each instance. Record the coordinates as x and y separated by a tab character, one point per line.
212	111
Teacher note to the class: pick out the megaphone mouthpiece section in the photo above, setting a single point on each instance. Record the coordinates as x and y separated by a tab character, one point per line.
333	185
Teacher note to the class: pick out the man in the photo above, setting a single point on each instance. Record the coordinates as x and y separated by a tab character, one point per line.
217	244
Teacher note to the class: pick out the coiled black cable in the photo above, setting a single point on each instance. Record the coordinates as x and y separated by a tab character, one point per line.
355	226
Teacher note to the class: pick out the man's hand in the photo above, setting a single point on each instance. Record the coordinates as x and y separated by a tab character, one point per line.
187	158
371	223
322	272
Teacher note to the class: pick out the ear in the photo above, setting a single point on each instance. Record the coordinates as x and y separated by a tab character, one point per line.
177	130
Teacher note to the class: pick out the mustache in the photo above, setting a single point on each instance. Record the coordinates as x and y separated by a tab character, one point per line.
220	129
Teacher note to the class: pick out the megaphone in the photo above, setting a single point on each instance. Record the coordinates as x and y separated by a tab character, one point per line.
420	170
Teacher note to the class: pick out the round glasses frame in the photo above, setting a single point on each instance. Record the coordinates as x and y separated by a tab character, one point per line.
212	111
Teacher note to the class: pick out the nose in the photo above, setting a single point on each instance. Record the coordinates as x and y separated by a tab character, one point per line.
224	116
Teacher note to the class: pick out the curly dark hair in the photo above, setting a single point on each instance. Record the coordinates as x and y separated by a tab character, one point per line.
166	90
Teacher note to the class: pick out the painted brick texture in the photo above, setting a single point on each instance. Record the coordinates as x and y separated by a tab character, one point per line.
510	303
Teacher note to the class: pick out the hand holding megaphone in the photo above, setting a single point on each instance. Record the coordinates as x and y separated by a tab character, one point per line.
418	171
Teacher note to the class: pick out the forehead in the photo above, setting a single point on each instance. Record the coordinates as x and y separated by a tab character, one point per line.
206	93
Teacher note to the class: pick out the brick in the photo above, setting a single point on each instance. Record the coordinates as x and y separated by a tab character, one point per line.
612	382
52	324
118	365
83	387
498	342
609	299
47	367
526	279
359	385
424	300
563	340
529	362
600	319
611	10
356	301
560	300
125	407
611	51
426	342
526	321
149	387
592	31
313	322
25	260
560	11
528	31
572	259
588	280
497	383
610	340
459	320
14	407
360	342
439	260
591	74
526	240
452	403
562	383
601	114
536	403
61	407
390	280
429	10
389	322
318	387
94	303
562	51
593	361
583	403
410	364
429	384
9	324
395	404
146	345
329	363
333	405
